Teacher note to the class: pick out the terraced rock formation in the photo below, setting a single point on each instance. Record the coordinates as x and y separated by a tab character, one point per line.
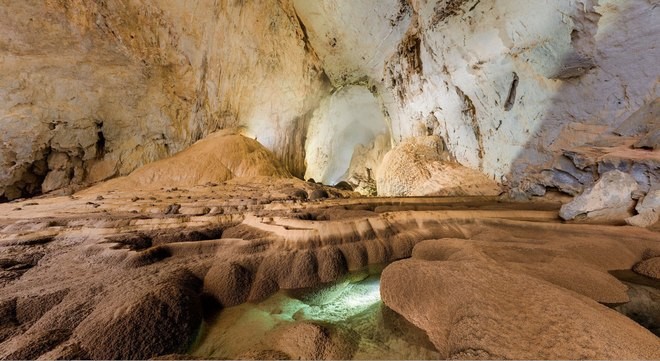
132	274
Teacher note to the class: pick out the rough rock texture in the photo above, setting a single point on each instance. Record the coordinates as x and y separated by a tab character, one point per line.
221	156
609	199
128	259
649	267
508	86
648	209
155	320
354	39
421	166
308	341
113	85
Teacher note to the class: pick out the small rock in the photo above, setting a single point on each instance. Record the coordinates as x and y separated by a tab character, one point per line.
648	209
650	140
643	220
649	268
54	180
173	208
319	194
344	185
299	194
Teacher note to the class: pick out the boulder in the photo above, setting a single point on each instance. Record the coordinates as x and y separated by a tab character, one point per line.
319	194
228	283
54	180
311	341
478	309
610	199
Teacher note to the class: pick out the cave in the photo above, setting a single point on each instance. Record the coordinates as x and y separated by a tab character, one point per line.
329	179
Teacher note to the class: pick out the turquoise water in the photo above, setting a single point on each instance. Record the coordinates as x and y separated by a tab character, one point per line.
351	311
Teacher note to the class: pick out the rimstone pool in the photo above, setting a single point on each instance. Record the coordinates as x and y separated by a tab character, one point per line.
345	319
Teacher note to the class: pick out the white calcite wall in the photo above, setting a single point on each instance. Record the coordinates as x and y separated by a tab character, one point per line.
354	38
350	118
508	84
579	68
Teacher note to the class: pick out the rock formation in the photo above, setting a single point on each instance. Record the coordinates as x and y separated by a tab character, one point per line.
171	167
421	166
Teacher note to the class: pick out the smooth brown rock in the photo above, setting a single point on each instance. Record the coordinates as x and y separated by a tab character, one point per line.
475	309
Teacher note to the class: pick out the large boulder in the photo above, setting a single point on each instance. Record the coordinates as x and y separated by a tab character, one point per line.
610	199
419	167
477	309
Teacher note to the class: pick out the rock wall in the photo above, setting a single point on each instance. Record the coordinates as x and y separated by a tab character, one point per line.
94	89
509	84
506	84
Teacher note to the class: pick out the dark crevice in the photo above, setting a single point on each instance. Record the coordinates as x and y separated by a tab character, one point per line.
474	6
470	113
100	142
511	98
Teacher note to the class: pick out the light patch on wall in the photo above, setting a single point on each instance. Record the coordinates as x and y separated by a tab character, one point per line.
349	117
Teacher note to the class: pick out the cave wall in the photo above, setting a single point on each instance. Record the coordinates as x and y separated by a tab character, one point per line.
94	89
507	84
520	81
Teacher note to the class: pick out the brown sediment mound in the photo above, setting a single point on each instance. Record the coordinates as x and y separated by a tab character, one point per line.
420	166
219	157
311	341
145	322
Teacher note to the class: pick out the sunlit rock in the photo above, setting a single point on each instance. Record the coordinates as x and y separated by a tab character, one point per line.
348	121
609	199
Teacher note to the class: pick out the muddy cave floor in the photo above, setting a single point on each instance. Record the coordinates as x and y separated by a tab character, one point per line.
253	270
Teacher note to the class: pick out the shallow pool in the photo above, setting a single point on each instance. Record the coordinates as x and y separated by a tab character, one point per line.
345	319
